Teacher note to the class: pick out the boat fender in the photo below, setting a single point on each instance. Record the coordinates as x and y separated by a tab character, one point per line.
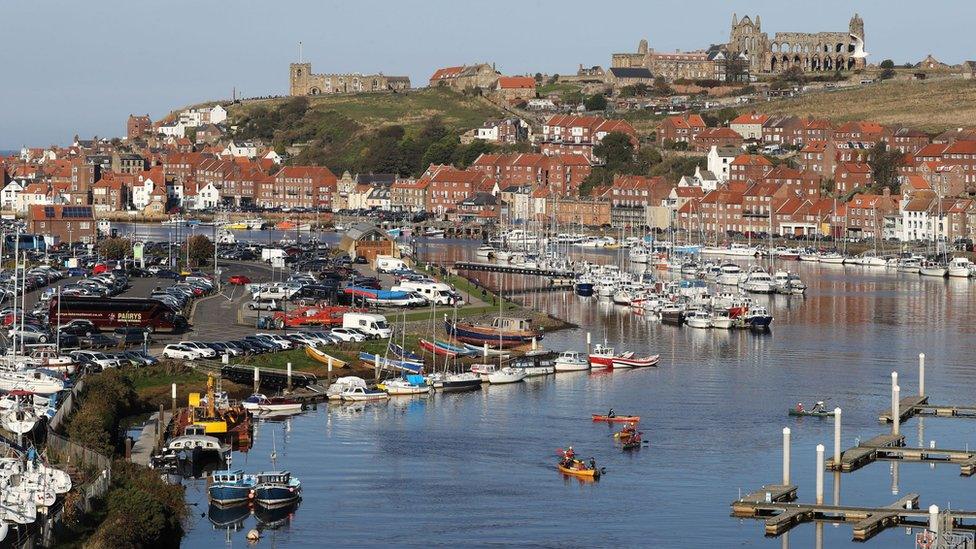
253	535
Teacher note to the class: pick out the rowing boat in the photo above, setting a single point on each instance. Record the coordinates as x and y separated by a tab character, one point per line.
586	473
825	413
616	419
630	362
319	356
632	442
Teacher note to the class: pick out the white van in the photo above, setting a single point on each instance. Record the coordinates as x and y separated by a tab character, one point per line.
370	324
276	290
388	263
437	292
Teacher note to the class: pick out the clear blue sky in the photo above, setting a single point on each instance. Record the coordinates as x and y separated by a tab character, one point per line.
82	67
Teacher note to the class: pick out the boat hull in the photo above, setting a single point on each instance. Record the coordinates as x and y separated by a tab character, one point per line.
229	495
276	495
616	419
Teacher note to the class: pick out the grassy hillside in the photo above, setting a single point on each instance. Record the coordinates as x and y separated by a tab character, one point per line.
383	133
928	105
372	110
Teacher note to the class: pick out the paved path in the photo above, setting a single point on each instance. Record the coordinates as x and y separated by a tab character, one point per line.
143	448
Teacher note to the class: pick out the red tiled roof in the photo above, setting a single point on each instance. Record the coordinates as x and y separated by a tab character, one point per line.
750	118
446	72
751	160
516	82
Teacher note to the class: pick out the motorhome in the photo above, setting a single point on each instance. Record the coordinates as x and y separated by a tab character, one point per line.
436	292
371	324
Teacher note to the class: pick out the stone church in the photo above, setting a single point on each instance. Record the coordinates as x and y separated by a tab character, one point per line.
303	82
811	52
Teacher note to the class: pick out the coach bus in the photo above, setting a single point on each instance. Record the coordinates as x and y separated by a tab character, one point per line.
151	314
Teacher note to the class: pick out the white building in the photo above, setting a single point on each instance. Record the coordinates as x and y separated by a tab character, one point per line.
8	195
917	222
244	150
173	129
720	159
207	198
192	118
142	191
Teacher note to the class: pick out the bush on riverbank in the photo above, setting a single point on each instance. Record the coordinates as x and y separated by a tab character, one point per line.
107	397
140	510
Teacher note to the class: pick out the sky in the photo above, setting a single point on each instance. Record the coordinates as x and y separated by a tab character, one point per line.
82	67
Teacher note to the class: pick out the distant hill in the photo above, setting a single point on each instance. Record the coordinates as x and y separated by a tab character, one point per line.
930	105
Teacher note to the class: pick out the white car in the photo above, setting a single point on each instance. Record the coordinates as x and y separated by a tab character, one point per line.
180	352
347	334
305	339
280	341
201	349
94	357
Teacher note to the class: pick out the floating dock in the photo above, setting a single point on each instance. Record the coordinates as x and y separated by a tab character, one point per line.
510	269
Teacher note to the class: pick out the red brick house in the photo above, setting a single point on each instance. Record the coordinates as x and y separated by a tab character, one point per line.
818	157
749	168
866	214
64	223
562	173
803	183
570	134
680	129
717	137
852	175
447	185
302	187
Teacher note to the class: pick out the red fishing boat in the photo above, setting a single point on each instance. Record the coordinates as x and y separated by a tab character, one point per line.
602	355
634	362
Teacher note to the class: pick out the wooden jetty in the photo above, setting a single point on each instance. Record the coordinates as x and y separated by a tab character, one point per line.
907	408
781	516
509	269
925	409
864	453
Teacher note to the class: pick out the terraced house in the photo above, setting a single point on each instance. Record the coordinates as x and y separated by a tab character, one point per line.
299	187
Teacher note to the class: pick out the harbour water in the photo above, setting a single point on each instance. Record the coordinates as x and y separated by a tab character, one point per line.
478	468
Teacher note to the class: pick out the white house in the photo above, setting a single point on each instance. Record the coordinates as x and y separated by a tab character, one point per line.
173	129
719	160
218	114
8	195
142	191
488	132
274	157
244	150
749	126
34	193
207	198
918	221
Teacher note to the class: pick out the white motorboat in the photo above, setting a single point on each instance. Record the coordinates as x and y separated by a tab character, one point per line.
729	274
260	403
345	383
639	254
868	259
571	361
741	250
811	257
357	394
909	265
34	381
758	282
506	375
721	320
698	318
832	258
789	283
961	267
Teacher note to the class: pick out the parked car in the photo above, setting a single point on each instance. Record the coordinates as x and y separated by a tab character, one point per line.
239	280
279	340
94	359
264	304
201	348
347	334
29	333
132	335
181	352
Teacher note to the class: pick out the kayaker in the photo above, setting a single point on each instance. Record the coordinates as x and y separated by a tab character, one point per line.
593	464
818	407
799	406
611	414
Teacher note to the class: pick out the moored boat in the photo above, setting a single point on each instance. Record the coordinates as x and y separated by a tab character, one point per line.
571	361
501	333
356	394
261	403
229	487
633	362
323	358
276	488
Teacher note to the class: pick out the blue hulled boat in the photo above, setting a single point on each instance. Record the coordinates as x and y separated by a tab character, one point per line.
276	488
230	487
584	289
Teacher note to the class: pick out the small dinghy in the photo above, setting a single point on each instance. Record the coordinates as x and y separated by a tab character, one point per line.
616	419
260	403
321	357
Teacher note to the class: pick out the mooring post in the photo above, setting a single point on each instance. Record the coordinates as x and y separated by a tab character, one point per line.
484	350
895	410
329	366
589	342
786	456
921	374
173	396
534	343
376	367
289	376
820	472
837	438
257	379
934	519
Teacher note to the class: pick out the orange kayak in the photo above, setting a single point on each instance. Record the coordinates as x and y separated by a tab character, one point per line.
586	473
616	419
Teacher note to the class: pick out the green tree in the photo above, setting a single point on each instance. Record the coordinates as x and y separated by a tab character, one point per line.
538	77
884	166
596	102
115	248
464	155
201	249
887	74
616	150
440	152
661	87
887	64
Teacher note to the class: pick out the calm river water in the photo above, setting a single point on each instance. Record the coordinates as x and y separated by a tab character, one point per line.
478	468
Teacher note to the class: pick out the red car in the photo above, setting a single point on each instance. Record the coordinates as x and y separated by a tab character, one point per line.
239	280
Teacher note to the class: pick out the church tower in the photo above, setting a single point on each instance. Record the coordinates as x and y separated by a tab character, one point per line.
298	80
857	26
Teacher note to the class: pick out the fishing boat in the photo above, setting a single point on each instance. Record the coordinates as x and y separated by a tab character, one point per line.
356	394
409	385
229	487
698	318
571	361
673	314
276	488
643	362
758	318
721	320
502	332
194	447
603	355
616	419
584	287
819	413
343	384
260	403
323	358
